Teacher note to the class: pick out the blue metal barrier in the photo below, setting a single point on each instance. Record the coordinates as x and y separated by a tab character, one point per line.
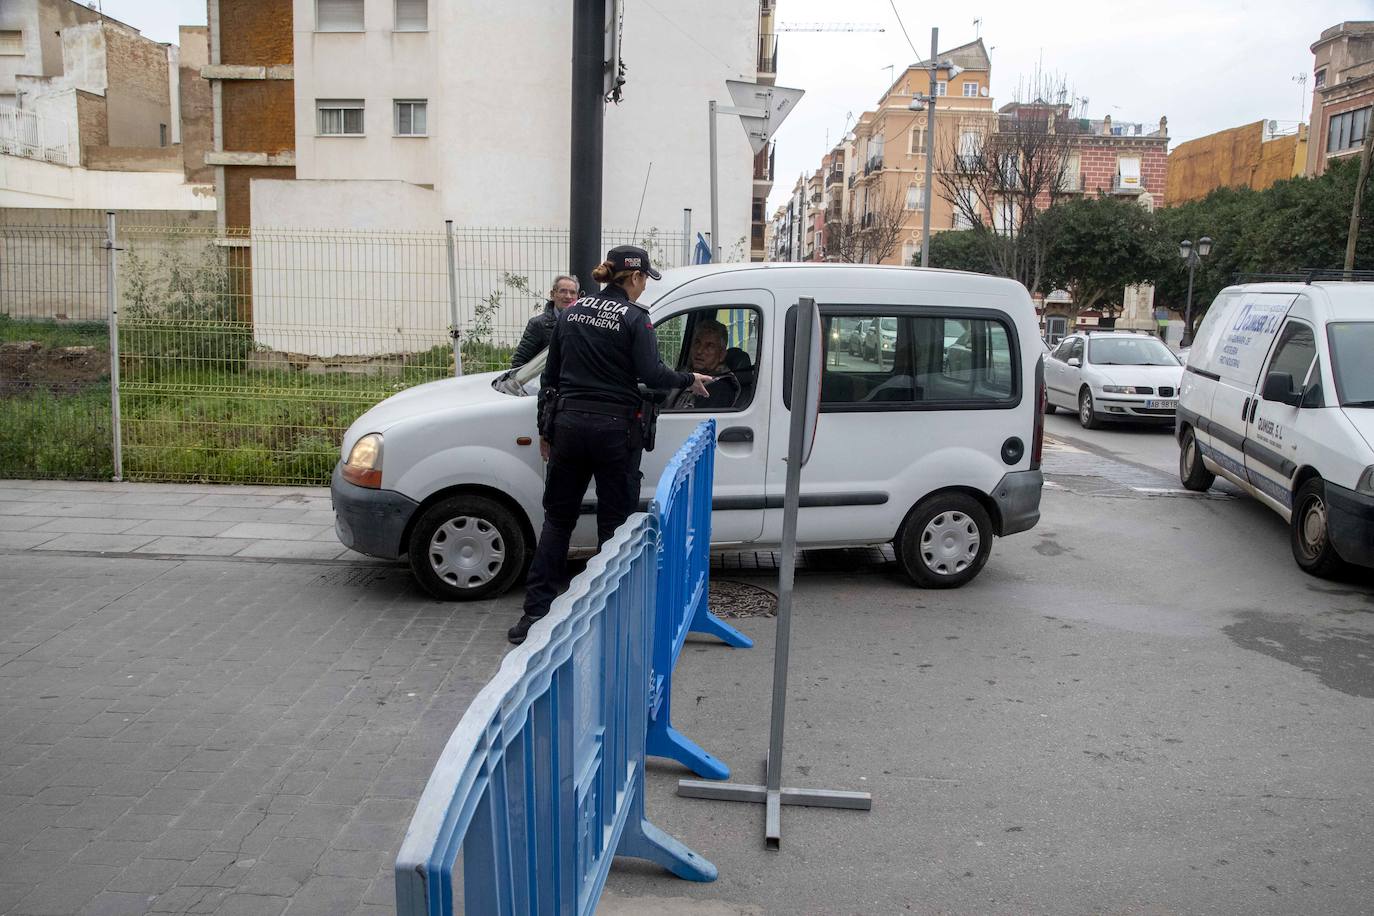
682	503
542	782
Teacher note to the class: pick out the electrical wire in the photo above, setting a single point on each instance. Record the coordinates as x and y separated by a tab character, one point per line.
893	4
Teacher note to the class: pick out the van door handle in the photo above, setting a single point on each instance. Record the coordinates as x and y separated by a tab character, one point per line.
1254	409
736	434
1244	410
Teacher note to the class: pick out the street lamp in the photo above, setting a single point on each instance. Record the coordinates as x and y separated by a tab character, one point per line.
926	101
1192	256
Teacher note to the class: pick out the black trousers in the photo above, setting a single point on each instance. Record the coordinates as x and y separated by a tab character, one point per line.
586	446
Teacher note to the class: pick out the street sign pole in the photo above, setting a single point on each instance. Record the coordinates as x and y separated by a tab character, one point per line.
805	406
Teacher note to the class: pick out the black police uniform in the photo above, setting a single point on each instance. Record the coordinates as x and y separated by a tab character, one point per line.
601	348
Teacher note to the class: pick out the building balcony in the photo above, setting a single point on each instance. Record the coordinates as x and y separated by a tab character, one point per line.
833	176
756	237
873	165
853	178
833	213
1127	185
768	54
763	165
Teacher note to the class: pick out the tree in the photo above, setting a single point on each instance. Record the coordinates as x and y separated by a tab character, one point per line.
870	237
1096	246
1000	184
959	249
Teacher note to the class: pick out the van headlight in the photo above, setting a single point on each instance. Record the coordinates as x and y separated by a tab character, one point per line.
364	464
1366	484
1118	389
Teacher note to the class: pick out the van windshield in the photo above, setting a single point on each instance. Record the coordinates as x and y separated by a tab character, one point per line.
1352	350
1129	351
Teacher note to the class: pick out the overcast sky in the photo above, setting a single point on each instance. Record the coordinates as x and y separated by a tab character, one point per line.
1206	64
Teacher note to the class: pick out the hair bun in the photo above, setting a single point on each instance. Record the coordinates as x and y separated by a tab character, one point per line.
603	272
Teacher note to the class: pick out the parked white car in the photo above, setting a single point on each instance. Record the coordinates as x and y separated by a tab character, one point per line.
1278	398
1113	375
909	449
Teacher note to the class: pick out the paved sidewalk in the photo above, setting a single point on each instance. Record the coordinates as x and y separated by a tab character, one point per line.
170	520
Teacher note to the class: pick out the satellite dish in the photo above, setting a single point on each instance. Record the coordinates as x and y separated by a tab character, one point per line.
983	91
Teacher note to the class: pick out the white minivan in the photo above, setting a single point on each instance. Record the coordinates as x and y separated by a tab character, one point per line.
933	454
1278	398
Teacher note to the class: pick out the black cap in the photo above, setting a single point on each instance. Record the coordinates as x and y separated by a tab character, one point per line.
628	257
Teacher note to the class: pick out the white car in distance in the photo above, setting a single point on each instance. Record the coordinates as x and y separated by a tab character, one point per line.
1113	375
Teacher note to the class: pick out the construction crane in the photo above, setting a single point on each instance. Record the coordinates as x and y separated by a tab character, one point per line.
828	27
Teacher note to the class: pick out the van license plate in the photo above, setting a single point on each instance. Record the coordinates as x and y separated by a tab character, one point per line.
1162	405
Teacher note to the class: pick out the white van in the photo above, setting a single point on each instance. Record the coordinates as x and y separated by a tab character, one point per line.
1278	398
933	455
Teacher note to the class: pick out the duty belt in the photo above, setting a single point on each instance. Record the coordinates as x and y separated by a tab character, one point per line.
601	407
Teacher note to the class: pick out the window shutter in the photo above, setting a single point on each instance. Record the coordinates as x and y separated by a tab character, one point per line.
412	15
1129	167
338	15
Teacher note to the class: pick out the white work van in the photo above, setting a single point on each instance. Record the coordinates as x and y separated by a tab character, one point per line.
1278	398
934	454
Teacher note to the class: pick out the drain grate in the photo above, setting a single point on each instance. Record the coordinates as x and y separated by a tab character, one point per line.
728	599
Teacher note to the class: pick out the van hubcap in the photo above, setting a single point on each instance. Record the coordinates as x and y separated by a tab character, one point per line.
1314	527
467	552
949	543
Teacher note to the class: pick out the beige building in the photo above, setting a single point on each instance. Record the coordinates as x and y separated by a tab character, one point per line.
1343	93
885	160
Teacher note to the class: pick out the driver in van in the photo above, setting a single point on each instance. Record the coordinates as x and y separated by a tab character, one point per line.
709	342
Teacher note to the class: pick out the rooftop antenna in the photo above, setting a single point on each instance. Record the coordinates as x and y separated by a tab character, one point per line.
1301	80
977	29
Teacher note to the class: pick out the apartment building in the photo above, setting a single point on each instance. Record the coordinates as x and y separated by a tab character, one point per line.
767	74
1343	93
889	146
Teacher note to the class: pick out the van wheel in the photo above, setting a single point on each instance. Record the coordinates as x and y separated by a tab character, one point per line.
945	541
466	548
1310	538
1086	418
1191	471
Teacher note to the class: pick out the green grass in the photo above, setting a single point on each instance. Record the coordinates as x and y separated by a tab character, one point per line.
55	333
63	435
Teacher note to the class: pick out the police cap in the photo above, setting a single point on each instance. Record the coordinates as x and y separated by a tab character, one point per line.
628	257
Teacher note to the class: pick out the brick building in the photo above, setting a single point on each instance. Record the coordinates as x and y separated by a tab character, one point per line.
1343	93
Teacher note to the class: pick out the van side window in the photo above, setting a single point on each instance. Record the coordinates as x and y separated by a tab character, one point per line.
915	362
721	341
1295	354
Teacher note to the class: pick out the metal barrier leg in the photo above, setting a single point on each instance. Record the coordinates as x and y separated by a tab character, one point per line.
642	840
703	621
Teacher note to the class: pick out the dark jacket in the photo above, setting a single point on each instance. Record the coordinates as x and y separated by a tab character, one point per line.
536	336
602	348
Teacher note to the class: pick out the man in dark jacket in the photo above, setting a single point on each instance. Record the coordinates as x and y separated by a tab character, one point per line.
540	327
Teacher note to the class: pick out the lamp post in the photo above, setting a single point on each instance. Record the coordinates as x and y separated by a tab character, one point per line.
923	101
1192	256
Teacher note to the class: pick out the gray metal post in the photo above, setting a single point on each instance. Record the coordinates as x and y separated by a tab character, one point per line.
453	331
686	236
772	794
930	149
586	139
1187	340
715	191
112	299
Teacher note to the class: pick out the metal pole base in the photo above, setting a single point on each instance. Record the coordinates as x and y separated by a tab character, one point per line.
773	799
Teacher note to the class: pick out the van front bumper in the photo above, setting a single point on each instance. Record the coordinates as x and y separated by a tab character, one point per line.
1350	524
369	521
1017	496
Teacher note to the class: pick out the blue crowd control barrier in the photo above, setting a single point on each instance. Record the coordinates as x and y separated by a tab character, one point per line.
542	782
682	503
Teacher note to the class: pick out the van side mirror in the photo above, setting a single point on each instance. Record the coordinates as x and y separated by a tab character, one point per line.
1278	387
1074	361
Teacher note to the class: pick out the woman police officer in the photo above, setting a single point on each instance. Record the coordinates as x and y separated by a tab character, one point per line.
601	348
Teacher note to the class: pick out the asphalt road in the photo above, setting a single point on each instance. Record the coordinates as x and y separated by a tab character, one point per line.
1151	445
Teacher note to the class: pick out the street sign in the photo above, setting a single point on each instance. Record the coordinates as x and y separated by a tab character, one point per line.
761	109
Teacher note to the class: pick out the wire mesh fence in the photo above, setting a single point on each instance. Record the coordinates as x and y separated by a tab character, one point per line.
244	356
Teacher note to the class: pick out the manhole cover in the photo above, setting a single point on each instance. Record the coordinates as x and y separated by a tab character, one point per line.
740	599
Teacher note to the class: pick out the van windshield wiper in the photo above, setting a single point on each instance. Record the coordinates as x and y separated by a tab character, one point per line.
1369	403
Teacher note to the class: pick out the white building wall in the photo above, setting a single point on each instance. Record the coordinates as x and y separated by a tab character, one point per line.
30	183
499	125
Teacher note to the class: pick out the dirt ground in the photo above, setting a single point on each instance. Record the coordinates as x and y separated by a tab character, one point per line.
26	364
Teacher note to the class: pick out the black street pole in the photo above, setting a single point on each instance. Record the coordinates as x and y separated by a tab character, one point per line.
1188	309
588	111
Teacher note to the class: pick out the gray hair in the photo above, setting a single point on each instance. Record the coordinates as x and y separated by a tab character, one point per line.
713	326
561	277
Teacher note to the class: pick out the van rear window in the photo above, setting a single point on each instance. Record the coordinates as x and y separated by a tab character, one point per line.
949	360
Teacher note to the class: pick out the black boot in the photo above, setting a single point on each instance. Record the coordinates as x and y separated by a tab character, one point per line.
517	633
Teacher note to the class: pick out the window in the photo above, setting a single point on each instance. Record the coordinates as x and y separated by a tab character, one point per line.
339	117
914	362
918	141
1352	349
692	341
1320	79
338	15
1128	173
909	250
11	42
162	135
970	141
913	197
1073	173
1004	214
941	87
412	15
1296	354
965	209
411	117
970	89
1346	130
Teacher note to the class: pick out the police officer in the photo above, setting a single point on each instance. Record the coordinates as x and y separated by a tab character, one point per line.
601	348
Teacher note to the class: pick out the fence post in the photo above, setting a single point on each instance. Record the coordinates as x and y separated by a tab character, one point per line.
453	300
112	297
